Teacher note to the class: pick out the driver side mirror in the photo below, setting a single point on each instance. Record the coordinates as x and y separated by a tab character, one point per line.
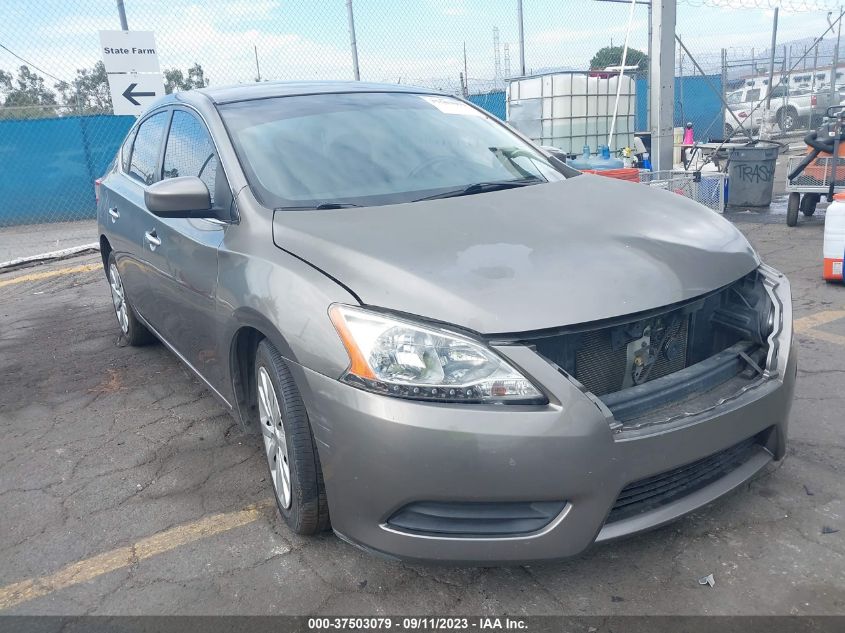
183	197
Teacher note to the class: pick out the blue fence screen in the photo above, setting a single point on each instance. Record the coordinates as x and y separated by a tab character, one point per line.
695	101
493	102
48	166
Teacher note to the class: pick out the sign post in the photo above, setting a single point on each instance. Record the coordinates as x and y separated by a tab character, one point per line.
131	62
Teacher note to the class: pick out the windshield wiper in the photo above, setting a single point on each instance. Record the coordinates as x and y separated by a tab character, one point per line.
320	207
484	187
336	205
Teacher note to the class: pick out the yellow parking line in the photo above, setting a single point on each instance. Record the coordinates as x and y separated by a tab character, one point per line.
807	325
819	318
47	274
830	337
90	568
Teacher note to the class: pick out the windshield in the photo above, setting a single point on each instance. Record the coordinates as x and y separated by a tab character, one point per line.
374	148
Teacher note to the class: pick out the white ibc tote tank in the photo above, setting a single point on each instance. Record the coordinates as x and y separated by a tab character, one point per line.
571	110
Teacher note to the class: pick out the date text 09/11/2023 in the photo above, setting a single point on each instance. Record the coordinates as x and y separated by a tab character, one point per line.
418	623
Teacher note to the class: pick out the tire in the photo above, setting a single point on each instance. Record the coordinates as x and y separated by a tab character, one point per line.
132	331
808	203
787	119
792	208
729	132
289	446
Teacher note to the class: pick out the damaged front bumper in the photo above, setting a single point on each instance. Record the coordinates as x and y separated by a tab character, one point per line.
505	484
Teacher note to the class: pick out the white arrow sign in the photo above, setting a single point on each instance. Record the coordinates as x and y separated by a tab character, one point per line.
129	51
132	93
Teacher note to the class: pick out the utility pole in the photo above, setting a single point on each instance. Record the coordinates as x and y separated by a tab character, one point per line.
662	82
466	74
497	59
724	79
354	44
648	106
257	68
121	11
521	39
767	124
833	68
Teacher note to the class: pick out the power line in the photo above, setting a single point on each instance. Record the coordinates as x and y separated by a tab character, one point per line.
29	63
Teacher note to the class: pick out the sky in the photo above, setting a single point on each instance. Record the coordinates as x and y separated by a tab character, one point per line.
408	41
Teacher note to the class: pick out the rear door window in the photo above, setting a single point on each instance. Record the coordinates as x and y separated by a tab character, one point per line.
145	151
190	151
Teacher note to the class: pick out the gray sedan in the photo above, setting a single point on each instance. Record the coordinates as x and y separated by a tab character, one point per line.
452	344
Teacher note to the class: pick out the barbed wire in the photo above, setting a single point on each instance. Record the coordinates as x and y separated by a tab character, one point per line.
794	6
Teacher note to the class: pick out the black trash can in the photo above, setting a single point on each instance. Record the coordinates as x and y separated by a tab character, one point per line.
751	175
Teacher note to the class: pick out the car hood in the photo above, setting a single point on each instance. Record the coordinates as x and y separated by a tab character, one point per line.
536	257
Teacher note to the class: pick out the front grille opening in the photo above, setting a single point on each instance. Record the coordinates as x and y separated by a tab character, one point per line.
475	519
723	335
653	492
602	350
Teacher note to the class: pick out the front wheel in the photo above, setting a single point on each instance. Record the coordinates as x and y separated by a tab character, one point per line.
289	445
792	208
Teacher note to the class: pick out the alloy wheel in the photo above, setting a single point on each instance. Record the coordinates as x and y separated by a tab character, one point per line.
118	297
273	432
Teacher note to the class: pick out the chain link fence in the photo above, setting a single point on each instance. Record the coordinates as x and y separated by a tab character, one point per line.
58	132
801	65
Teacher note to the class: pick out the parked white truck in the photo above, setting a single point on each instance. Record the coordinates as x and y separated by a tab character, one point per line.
793	109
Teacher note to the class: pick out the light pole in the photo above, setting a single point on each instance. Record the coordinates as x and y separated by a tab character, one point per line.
121	11
352	42
521	39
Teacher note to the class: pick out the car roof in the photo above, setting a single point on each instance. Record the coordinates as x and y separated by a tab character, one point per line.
269	89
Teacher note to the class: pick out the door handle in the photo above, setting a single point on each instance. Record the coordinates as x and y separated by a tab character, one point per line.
152	239
114	213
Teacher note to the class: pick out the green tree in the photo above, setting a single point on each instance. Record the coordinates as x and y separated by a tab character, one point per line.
26	96
89	91
612	56
175	80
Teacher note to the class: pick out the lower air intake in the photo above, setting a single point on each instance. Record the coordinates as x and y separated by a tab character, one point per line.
475	519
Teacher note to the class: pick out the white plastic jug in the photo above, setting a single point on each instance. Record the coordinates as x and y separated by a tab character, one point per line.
834	238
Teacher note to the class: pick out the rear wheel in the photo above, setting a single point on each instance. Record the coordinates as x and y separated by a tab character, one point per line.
729	131
792	208
289	445
808	203
787	119
132	330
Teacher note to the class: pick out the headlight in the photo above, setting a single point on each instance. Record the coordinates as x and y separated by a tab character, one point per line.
400	358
